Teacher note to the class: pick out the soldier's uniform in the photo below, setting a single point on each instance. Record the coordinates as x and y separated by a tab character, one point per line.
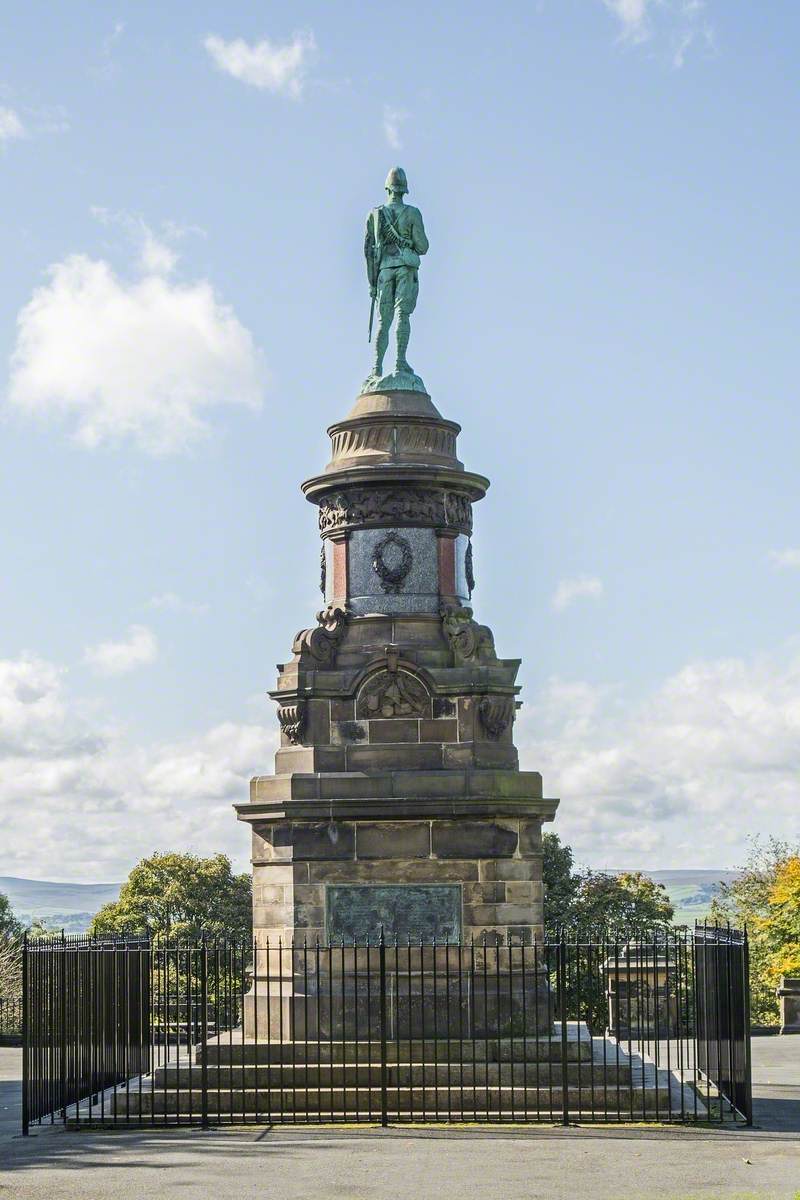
394	240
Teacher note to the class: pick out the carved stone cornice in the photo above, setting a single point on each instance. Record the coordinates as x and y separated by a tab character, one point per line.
355	507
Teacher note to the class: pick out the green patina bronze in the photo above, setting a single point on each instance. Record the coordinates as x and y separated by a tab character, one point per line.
403	911
393	243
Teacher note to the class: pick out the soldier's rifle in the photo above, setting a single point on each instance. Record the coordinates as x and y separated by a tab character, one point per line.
376	257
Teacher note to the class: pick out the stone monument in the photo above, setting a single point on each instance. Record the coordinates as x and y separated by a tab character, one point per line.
788	993
397	800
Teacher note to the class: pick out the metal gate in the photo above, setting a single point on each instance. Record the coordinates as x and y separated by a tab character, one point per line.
722	1004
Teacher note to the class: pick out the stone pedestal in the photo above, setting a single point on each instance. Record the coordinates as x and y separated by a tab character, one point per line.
397	766
789	996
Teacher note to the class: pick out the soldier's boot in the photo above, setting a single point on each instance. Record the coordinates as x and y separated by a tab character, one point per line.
403	334
381	343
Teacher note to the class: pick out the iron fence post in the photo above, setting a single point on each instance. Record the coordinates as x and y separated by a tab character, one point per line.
25	1039
204	1032
748	1065
562	1001
63	1007
382	963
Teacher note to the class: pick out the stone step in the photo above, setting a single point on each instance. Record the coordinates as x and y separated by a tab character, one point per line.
362	1074
365	1104
542	1049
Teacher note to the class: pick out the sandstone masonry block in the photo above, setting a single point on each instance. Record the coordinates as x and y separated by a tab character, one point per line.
473	839
307	915
514	868
325	840
419	870
393	839
514	914
401	757
458	756
309	894
519	892
484	893
400	729
438	731
480	914
530	837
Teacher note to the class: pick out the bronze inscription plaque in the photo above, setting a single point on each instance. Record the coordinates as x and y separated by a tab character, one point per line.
355	912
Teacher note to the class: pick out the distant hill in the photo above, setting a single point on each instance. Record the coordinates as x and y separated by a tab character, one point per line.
691	892
68	906
71	906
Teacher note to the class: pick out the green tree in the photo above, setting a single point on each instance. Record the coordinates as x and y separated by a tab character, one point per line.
181	894
781	926
622	901
10	951
9	925
560	880
766	898
597	898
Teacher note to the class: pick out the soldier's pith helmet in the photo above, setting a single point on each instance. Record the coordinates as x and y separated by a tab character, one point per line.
396	180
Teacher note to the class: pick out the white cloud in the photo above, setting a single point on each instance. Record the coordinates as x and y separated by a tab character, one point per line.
156	256
171	602
785	559
11	125
570	590
102	803
631	14
137	649
393	119
107	67
112	38
681	778
679	24
280	68
139	359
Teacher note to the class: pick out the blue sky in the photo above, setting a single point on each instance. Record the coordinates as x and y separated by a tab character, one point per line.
609	308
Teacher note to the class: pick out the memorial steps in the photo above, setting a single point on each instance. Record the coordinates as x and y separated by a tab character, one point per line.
436	1080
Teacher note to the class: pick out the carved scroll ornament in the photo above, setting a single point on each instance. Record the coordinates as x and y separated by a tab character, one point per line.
321	641
496	714
469	641
292	719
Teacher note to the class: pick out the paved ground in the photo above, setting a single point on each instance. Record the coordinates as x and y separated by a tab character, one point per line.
419	1164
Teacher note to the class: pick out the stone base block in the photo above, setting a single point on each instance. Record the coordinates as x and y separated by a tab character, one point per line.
427	1004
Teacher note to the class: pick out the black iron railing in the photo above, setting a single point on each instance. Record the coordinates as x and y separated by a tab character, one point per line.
590	1025
722	1009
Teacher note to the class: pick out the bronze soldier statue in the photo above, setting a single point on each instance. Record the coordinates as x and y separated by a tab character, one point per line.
395	239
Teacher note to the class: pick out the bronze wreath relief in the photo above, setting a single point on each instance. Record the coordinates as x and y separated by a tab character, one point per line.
392	573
